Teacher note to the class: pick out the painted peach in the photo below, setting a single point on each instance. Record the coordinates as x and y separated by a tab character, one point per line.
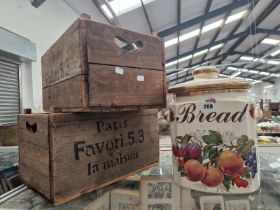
194	170
213	177
229	163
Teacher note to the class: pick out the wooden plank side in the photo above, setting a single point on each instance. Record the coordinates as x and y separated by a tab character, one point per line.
128	88
64	59
107	109
35	180
35	157
33	128
165	85
34	167
69	117
72	93
62	200
102	49
80	162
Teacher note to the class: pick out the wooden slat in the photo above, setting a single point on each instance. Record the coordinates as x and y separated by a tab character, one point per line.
108	109
34	151
70	93
102	49
64	60
34	167
35	180
35	156
165	89
62	200
71	175
56	118
27	132
108	88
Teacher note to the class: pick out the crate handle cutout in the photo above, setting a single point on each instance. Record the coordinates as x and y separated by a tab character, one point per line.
128	46
31	127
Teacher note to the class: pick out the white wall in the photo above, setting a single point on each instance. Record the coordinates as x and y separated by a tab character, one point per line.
26	85
267	93
43	26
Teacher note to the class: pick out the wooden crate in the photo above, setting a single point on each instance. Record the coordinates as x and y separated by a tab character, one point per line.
86	70
65	155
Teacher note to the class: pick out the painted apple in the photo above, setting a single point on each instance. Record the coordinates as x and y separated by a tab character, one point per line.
213	177
194	170
229	163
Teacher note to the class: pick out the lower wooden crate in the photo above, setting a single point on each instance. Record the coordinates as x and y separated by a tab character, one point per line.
63	155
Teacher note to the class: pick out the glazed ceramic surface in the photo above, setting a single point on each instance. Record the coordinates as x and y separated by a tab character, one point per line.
214	136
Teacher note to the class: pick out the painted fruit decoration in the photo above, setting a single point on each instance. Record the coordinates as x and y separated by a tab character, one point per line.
229	162
206	157
213	177
194	170
190	151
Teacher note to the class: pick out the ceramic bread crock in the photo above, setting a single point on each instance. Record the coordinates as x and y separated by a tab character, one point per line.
213	132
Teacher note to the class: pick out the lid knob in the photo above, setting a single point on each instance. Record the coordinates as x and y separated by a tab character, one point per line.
206	72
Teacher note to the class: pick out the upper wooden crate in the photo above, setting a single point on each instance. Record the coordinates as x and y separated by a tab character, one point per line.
99	67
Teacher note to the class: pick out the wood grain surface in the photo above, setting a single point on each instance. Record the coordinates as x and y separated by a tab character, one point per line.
102	49
108	88
33	129
71	93
71	175
63	60
86	151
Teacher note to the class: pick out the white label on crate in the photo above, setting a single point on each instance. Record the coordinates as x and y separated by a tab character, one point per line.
119	70
140	78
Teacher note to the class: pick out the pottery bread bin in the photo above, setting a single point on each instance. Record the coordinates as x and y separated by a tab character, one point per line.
213	131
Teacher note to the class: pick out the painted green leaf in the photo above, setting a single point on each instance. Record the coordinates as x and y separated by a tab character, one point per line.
179	139
244	145
180	168
210	151
248	176
227	182
242	141
208	147
206	150
219	137
210	139
187	138
205	155
183	139
213	153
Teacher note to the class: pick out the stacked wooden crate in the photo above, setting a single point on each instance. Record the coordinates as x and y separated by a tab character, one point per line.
106	83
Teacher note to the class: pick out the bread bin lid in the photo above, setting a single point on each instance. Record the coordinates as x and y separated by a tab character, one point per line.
206	78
